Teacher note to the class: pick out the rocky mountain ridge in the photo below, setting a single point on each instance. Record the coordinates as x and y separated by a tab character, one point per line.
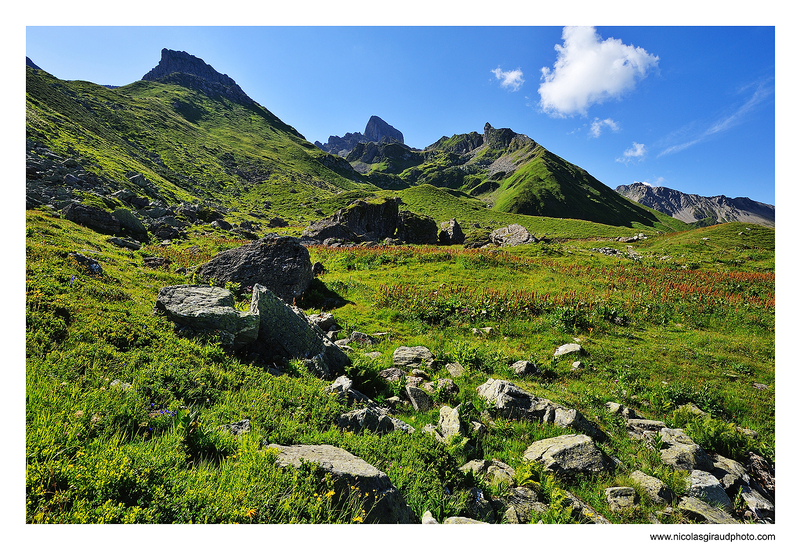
692	208
183	69
377	131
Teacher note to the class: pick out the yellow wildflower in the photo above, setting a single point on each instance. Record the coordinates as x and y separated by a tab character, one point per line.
358	519
330	493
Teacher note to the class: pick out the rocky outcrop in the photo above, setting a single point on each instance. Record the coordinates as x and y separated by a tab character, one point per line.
92	217
358	221
693	208
510	401
280	264
208	309
416	228
181	68
450	233
350	473
379	130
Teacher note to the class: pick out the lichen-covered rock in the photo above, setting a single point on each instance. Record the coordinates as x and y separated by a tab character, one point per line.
569	455
451	233
358	221
682	453
620	498
383	500
653	487
287	329
420	400
91	217
705	486
449	422
411	357
208	309
698	510
280	264
512	235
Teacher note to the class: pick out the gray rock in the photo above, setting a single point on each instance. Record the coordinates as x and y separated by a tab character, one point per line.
569	455
451	233
653	487
706	487
392	374
236	428
698	510
681	453
455	369
639	427
521	504
620	498
582	512
730	473
360	220
758	504
125	243
280	264
92	265
512	235
568	349
460	520
207	309
428	519
510	401
761	472
128	221
449	422
91	217
384	501
525	368
478	506
416	228
287	329
420	400
325	321
343	387
411	357
371	420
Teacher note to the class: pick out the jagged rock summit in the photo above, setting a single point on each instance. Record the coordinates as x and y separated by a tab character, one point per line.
377	131
692	208
192	72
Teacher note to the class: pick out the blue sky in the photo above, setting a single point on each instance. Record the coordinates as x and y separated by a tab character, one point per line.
690	108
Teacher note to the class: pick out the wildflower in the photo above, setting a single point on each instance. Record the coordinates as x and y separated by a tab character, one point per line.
358	519
251	513
330	493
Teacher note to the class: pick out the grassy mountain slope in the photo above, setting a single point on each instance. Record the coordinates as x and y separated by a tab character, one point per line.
122	413
188	145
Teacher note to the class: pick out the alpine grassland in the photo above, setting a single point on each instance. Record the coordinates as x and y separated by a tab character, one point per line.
123	414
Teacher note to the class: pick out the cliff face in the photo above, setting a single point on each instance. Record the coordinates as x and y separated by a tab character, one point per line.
378	130
187	70
692	208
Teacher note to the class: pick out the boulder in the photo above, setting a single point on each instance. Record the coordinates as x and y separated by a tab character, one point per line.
91	217
412	357
460	520
569	455
372	420
451	233
416	228
280	264
325	321
208	309
762	472
620	498
512	235
130	223
730	473
525	368
653	487
420	400
286	328
521	503
358	221
698	510
706	487
478	506
449	422
384	501
455	369
343	387
392	374
759	506
582	512
681	453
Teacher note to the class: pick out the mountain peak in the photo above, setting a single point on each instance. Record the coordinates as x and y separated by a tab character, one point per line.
177	67
378	130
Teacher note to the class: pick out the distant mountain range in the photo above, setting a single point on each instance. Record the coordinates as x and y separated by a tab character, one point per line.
698	210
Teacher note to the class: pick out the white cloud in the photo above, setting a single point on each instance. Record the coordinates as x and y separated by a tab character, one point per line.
509	79
764	90
589	71
636	152
597	126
